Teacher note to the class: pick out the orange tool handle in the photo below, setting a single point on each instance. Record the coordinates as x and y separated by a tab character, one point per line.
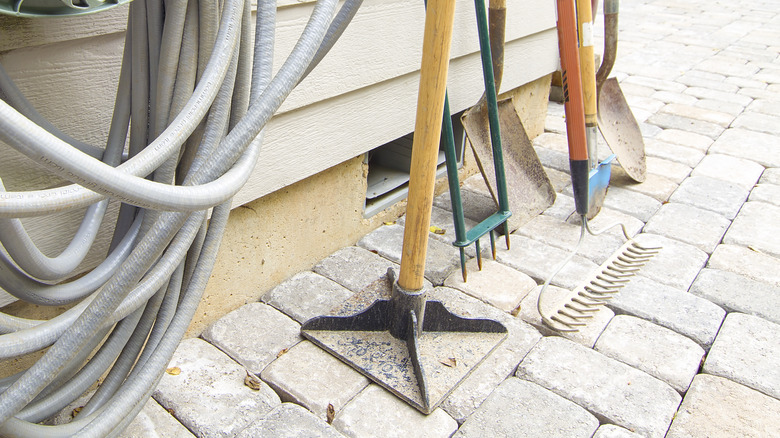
571	80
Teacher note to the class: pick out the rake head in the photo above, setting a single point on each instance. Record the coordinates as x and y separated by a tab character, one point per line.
600	287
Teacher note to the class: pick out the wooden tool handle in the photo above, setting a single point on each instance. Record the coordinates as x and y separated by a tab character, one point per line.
587	63
437	40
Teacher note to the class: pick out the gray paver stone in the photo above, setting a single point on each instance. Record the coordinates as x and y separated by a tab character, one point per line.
605	221
711	194
756	121
209	395
253	335
669	121
290	421
656	84
387	241
311	377
656	350
521	408
770	176
746	262
613	391
612	431
306	295
675	309
655	186
499	365
560	180
553	159
719	408
673	152
677	264
562	208
496	284
554	298
756	226
154	421
539	261
765	106
746	351
736	293
704	93
732	109
736	170
769	193
698	113
353	267
564	235
751	145
376	412
635	204
695	226
672	170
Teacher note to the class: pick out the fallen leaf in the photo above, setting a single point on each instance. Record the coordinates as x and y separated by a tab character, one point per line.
76	411
437	230
282	352
450	362
515	311
174	371
331	413
252	381
389	223
754	249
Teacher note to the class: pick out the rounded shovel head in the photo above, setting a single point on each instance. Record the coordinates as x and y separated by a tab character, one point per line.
621	131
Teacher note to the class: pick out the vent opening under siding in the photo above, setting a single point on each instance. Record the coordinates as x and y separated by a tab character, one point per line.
389	164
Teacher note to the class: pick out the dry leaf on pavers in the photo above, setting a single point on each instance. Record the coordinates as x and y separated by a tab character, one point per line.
331	413
252	381
76	411
282	352
437	230
174	371
450	362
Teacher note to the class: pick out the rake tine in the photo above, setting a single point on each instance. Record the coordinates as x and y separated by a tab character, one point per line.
621	272
645	249
568	324
625	278
625	259
605	286
572	316
581	310
595	297
605	292
595	306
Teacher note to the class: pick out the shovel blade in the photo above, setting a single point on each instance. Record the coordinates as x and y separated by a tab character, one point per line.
529	190
621	130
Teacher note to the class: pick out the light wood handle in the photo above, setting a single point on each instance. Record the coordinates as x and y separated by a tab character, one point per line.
587	63
437	40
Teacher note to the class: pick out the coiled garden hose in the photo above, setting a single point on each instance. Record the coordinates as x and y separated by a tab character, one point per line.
193	86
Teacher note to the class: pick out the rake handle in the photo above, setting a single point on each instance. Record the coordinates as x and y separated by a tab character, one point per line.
437	40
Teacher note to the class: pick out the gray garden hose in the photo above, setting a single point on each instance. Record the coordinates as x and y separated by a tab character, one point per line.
163	253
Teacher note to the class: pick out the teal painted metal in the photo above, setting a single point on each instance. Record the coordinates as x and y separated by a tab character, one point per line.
463	237
55	8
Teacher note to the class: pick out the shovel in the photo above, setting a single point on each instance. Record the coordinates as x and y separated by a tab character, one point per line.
531	191
600	172
616	121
